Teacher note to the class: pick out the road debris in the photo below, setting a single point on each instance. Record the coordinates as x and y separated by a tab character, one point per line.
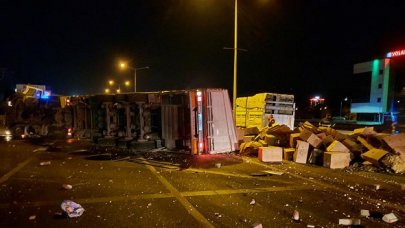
67	186
72	209
32	217
218	165
45	163
308	144
365	213
273	172
377	186
349	222
390	218
40	149
296	215
253	202
257	225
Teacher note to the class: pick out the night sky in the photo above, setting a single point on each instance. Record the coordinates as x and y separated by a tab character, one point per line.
303	48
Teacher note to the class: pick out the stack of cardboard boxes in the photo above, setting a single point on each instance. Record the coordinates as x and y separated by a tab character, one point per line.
327	147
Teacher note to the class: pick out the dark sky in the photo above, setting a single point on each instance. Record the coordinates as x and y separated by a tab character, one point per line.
300	47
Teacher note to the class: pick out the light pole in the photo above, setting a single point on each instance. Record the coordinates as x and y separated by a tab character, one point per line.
124	65
235	60
341	101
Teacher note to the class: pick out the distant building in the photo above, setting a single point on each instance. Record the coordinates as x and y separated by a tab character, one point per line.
378	88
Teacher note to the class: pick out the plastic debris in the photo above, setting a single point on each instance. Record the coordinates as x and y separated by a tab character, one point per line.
67	186
257	225
72	209
296	215
32	217
390	218
377	187
365	213
349	222
310	226
40	149
253	202
45	163
273	172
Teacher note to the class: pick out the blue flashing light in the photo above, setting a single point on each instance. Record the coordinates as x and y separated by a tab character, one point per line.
46	95
389	54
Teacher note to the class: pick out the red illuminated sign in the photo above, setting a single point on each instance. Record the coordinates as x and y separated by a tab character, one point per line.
396	53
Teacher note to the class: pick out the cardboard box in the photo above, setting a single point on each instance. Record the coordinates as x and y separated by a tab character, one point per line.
374	155
396	143
271	154
270	140
316	157
364	131
336	160
327	140
314	140
288	154
351	144
365	143
321	135
305	134
248	138
252	131
293	139
337	146
301	152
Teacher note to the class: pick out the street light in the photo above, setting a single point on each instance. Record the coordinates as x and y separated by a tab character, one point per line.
235	60
341	101
124	65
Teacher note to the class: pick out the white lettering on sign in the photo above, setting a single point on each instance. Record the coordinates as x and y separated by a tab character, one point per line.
396	53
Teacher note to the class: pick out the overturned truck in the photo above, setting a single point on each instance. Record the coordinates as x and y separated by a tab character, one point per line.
196	121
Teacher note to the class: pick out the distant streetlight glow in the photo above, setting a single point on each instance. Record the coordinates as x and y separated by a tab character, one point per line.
111	82
118	90
107	90
127	83
124	65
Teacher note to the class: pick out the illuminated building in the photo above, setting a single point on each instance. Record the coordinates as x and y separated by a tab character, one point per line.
379	87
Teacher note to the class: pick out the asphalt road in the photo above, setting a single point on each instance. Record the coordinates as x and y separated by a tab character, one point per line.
172	190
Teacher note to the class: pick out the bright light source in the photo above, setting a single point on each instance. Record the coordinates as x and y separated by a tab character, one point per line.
199	93
127	83
9	104
123	65
118	90
201	145
107	90
111	82
317	97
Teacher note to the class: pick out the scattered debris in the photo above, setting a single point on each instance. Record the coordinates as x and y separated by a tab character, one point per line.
365	213
40	149
72	209
310	226
273	172
349	222
253	202
390	218
218	215
377	186
257	225
45	163
218	165
296	215
67	186
370	151
32	217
